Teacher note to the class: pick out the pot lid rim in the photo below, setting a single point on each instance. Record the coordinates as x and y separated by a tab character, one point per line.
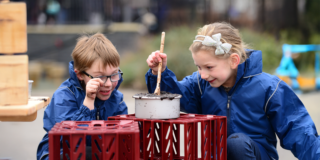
143	97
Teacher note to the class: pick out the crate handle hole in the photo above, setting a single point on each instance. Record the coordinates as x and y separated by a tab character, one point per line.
80	155
97	145
97	158
78	145
67	142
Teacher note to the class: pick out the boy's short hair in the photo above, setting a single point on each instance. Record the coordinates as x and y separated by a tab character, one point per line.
89	48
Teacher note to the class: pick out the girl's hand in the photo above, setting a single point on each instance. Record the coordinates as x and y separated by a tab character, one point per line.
92	89
154	59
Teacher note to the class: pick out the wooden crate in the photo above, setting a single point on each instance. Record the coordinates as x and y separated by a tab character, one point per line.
13	80
13	27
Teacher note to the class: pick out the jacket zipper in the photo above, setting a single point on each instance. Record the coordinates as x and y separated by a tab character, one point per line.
228	104
98	113
228	115
229	97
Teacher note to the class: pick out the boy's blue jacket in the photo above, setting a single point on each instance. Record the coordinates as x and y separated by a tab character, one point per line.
67	104
259	105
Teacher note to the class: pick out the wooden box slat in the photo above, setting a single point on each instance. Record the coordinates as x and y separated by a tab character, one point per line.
14	80
24	113
28	118
13	28
34	104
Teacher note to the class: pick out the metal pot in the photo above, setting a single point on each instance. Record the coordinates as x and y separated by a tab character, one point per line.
157	107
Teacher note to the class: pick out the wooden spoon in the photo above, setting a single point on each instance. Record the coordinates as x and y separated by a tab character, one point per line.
157	91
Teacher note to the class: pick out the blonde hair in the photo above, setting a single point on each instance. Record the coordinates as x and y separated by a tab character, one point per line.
229	34
89	48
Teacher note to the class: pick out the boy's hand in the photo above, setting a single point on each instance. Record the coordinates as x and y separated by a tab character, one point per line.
154	59
92	89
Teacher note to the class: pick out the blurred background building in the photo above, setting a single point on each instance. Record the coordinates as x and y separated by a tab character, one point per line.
134	25
252	13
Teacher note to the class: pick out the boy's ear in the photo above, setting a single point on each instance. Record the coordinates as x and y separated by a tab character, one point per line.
79	75
235	60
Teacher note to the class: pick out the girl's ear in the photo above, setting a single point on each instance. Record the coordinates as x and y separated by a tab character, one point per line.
235	60
79	75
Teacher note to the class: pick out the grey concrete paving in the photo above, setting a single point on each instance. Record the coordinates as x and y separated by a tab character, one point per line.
19	140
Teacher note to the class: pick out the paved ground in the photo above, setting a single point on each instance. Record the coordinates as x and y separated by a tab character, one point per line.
19	140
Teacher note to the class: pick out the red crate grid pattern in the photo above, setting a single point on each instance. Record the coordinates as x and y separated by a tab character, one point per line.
160	139
109	140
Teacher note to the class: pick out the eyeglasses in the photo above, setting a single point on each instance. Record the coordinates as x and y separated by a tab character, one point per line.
113	77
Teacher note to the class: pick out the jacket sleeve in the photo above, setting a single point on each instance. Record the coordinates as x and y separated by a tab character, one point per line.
292	123
188	88
63	106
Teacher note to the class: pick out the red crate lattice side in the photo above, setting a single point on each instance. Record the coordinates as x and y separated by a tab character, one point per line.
161	139
109	140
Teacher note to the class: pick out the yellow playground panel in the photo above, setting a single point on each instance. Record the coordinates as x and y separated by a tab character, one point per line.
288	72
306	83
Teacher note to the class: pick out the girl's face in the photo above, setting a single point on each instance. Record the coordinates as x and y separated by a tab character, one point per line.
96	70
217	71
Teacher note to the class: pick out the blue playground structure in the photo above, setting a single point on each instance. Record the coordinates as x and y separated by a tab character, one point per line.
288	72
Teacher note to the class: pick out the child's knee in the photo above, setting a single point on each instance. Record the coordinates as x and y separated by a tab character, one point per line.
238	139
241	146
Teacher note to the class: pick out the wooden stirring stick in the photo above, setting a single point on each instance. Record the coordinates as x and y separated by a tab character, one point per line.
157	91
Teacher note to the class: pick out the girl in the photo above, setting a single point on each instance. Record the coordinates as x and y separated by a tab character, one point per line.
230	82
91	91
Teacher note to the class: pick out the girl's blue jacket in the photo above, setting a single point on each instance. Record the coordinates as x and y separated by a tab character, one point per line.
259	105
67	104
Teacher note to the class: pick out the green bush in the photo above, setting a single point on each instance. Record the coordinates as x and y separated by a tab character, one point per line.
271	49
177	42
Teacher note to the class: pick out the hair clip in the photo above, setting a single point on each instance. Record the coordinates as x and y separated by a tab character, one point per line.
221	48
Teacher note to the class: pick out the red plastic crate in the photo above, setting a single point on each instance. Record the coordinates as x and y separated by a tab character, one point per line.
161	139
109	140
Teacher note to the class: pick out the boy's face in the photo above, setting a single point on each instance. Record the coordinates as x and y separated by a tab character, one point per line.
96	70
217	71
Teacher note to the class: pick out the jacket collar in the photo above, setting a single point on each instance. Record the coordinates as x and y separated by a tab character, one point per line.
253	65
73	76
